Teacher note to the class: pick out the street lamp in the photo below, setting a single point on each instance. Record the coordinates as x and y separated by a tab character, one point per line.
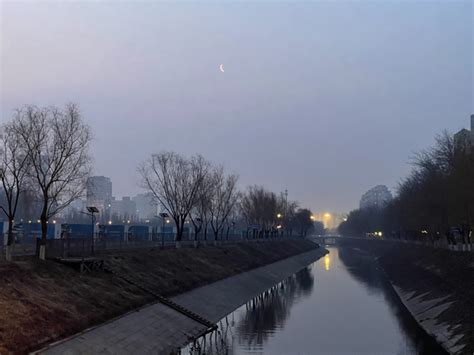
163	215
279	227
91	211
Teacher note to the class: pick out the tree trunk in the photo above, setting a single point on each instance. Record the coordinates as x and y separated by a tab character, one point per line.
179	230
10	240
44	233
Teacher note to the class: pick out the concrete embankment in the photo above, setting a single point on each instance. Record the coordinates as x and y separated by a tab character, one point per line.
157	329
435	285
42	302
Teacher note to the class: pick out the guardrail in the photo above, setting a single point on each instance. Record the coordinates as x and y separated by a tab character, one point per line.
85	247
25	249
82	247
440	243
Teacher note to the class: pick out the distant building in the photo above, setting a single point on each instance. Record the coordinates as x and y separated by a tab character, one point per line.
376	197
472	130
124	208
146	206
99	194
99	191
464	139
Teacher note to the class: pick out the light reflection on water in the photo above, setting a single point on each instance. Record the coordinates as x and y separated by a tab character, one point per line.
341	304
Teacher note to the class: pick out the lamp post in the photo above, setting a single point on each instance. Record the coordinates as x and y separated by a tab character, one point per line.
163	215
91	211
279	225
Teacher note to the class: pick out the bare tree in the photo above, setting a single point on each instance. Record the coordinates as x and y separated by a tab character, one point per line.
13	170
260	207
175	182
57	144
223	198
199	215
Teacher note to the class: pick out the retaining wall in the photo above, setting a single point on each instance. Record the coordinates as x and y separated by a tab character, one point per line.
435	285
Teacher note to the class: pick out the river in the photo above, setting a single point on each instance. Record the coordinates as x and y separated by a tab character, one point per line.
341	304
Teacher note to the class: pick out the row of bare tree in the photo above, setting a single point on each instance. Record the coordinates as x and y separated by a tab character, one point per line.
435	199
191	188
194	189
44	152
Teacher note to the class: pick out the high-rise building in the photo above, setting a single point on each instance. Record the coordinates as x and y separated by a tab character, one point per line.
472	130
464	139
146	206
124	208
376	197
99	194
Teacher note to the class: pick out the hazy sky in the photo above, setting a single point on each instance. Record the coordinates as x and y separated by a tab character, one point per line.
326	99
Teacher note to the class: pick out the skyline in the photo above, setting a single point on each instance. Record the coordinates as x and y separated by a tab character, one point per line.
303	104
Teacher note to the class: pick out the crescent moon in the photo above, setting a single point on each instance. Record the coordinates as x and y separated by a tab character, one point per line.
221	67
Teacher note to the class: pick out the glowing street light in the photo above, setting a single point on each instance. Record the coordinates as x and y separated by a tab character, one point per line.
279	215
164	217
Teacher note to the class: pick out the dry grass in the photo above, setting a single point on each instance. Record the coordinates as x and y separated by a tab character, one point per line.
44	301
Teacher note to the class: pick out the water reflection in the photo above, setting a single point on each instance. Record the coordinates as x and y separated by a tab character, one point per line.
366	270
342	304
269	311
258	319
327	262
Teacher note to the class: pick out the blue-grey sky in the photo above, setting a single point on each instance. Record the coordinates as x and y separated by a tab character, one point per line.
326	99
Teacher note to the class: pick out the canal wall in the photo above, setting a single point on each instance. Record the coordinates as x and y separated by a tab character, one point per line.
157	329
435	285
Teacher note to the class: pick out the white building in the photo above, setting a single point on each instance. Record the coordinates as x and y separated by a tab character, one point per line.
376	197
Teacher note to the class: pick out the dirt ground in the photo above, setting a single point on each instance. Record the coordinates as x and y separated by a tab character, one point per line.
41	302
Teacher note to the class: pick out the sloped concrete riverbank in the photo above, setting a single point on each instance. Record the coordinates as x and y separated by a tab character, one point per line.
159	330
43	302
435	285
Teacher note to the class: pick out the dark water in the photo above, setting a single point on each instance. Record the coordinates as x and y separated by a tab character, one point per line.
341	304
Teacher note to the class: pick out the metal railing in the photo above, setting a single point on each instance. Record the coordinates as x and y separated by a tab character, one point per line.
65	248
83	246
19	249
440	243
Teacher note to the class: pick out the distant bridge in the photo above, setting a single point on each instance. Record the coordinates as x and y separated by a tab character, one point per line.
325	239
